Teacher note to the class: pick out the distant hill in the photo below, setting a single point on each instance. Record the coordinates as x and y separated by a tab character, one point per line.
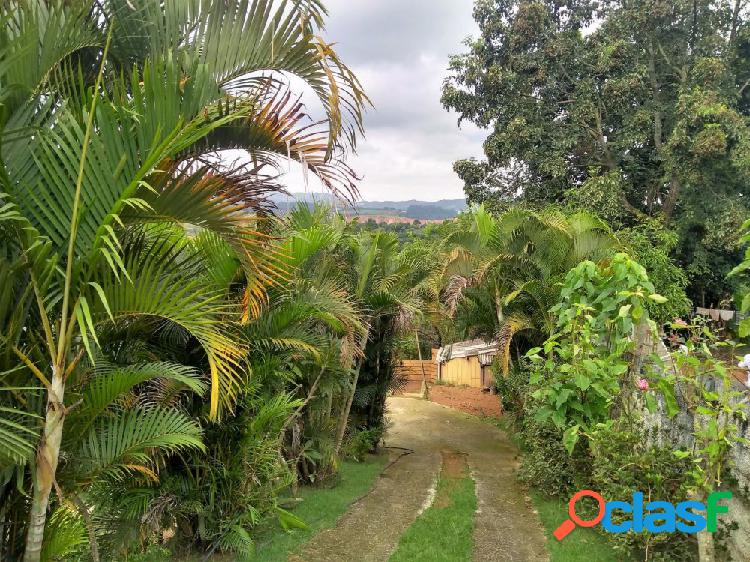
412	208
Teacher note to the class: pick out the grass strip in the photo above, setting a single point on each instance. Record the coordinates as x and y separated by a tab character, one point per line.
444	531
319	509
581	544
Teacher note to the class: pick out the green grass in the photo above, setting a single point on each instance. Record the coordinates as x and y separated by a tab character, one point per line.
319	509
444	532
581	544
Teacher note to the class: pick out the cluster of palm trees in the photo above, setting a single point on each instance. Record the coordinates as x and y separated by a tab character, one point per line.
500	274
172	356
132	256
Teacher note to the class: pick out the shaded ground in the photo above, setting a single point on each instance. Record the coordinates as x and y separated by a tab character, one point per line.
506	527
470	400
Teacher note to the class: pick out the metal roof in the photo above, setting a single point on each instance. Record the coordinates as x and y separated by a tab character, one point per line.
469	348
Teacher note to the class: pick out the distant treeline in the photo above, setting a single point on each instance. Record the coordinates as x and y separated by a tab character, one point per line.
419	212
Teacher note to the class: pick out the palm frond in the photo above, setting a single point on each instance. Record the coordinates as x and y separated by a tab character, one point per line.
19	433
111	382
65	535
121	445
169	283
511	326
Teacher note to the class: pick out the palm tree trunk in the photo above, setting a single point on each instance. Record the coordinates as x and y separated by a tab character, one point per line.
86	514
48	451
499	307
344	419
44	471
423	390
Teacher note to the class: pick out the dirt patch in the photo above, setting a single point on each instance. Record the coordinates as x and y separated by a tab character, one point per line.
470	400
454	464
455	468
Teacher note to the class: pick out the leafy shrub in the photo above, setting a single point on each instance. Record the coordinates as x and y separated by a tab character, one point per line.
707	393
363	442
546	464
578	372
153	553
216	500
651	245
512	388
623	460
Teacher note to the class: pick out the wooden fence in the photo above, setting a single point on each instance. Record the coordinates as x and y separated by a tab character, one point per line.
410	370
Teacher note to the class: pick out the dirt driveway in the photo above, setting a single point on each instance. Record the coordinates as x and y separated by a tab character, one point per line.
506	528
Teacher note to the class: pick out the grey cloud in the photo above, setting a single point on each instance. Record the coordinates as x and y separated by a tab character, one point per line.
399	49
397	29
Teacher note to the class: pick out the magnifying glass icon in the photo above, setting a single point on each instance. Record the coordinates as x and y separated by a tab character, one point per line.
569	524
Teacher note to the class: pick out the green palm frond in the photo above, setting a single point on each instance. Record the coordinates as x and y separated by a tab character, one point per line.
485	225
65	535
111	382
272	133
511	326
121	445
272	415
199	198
242	38
222	263
19	433
294	322
331	305
169	283
303	244
237	539
36	37
296	344
41	172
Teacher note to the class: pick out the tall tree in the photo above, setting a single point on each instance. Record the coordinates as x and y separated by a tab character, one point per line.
643	102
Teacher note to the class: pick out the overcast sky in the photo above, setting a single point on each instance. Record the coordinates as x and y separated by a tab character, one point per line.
399	50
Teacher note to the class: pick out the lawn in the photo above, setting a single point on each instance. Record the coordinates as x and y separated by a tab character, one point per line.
581	544
444	532
319	509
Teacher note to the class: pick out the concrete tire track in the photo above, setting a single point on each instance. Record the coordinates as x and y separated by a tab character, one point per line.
506	527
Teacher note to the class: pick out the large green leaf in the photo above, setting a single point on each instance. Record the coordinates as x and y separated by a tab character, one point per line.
167	282
35	37
122	445
111	382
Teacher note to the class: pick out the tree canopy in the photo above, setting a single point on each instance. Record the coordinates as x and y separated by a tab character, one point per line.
637	108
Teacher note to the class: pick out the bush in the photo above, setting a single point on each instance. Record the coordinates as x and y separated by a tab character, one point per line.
546	464
624	461
362	442
651	245
512	388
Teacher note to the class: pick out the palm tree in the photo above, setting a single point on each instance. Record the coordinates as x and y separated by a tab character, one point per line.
386	283
352	271
113	113
315	315
501	273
